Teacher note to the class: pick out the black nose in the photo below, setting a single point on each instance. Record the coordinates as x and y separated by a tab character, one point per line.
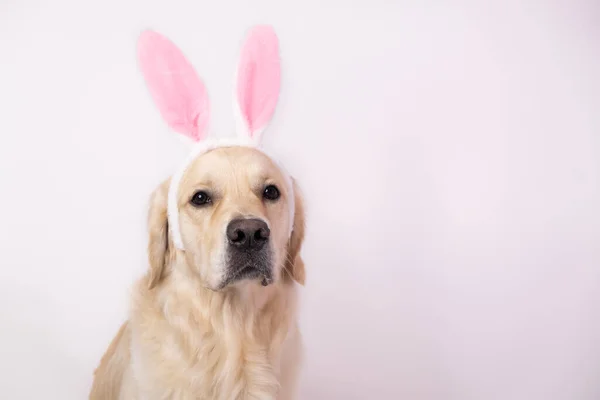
248	233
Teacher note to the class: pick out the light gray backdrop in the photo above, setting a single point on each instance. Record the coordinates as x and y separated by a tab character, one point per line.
450	156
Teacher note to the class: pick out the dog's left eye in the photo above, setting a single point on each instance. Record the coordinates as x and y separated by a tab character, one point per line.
271	193
200	198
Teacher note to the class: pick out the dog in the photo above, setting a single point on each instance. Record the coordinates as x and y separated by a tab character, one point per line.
215	317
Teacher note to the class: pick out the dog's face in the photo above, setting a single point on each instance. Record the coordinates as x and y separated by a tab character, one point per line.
234	216
234	207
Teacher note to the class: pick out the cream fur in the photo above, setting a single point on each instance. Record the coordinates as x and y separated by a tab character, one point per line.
184	340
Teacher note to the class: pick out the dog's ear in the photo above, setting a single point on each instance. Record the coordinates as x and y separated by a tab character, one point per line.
294	264
158	234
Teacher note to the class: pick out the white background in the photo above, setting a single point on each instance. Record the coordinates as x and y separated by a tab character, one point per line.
449	153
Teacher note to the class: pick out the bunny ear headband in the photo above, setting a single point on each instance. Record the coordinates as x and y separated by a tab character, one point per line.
182	101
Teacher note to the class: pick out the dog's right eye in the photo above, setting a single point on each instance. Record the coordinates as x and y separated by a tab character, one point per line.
200	198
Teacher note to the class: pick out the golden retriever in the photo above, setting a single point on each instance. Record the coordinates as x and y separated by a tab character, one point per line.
215	316
218	320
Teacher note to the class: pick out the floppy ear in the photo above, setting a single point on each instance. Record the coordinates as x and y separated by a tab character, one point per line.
158	234
294	264
258	81
174	85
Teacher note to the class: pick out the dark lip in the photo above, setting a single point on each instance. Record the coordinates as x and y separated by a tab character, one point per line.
249	271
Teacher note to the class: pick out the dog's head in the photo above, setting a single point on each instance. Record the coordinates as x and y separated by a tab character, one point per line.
230	211
234	221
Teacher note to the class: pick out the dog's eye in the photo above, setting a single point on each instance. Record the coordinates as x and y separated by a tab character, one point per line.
271	192
200	198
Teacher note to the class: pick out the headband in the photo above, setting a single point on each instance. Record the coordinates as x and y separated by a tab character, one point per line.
182	100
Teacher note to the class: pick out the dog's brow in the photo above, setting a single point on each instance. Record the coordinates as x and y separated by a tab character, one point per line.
208	184
262	180
205	182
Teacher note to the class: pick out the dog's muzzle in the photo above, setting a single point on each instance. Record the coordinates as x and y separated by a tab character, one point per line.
248	253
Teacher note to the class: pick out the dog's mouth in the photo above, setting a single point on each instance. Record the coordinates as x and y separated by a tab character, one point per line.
249	271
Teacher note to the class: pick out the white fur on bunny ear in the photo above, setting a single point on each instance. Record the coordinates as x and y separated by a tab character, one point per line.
258	81
174	85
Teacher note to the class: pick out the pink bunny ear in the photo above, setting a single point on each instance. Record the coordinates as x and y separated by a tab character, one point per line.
258	79
174	85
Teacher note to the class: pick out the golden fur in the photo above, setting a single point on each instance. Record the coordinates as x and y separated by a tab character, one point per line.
185	339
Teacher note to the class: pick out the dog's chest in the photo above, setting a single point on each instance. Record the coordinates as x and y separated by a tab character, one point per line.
205	364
